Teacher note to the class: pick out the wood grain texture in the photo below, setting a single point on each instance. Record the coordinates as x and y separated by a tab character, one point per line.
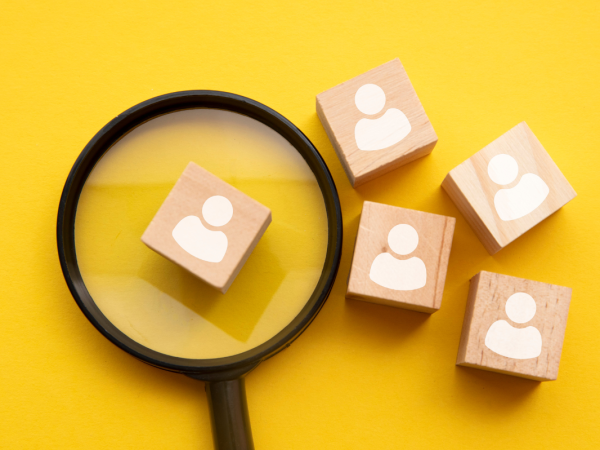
472	190
339	115
247	225
486	304
435	242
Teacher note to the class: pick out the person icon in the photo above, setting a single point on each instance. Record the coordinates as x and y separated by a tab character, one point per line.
517	343
524	198
397	274
207	245
387	130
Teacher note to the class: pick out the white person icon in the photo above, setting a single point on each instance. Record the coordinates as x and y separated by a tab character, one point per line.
517	343
383	132
518	201
398	274
199	241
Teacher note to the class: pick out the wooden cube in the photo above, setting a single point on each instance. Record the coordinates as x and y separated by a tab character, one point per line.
376	122
207	227
514	326
508	187
400	257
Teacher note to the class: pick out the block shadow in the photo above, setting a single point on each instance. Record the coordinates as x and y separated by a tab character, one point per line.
490	393
390	324
237	312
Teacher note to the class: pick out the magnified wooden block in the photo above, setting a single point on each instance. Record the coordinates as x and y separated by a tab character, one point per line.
514	326
376	122
400	257
508	187
207	227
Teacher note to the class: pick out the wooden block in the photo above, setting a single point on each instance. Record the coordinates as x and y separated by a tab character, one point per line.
400	257
207	227
376	122
508	187
514	326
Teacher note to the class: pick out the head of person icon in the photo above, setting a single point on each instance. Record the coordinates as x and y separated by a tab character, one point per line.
520	200
511	342
503	169
403	239
383	132
398	274
217	211
520	307
370	99
197	240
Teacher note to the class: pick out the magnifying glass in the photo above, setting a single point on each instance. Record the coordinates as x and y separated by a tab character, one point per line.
157	311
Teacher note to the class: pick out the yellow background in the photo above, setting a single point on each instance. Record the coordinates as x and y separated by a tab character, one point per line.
362	376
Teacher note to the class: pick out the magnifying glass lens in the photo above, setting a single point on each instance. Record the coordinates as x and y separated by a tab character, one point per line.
159	304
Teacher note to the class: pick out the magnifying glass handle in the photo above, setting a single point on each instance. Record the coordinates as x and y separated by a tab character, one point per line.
229	414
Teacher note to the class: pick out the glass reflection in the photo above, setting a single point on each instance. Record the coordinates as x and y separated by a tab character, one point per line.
159	304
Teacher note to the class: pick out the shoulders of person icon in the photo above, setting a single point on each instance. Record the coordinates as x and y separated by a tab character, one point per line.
520	200
516	343
397	274
197	240
383	132
400	275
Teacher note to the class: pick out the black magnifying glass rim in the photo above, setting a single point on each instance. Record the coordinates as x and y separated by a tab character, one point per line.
126	122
